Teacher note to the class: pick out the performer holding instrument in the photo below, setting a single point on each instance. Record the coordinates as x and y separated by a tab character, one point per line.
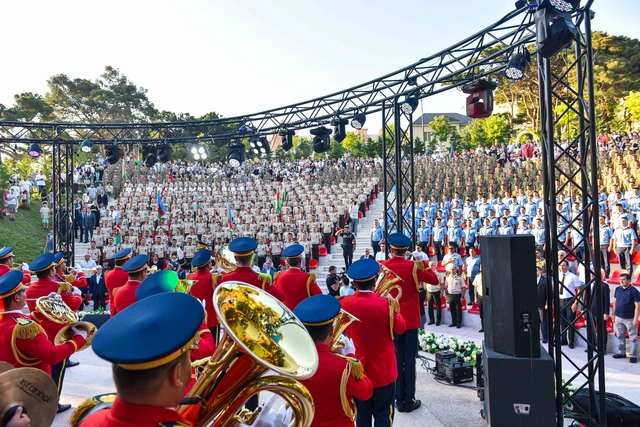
124	296
202	289
6	265
117	277
295	284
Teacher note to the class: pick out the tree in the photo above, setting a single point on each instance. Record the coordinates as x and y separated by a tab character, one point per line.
418	146
474	135
302	147
28	107
632	108
336	150
496	128
442	130
373	147
353	144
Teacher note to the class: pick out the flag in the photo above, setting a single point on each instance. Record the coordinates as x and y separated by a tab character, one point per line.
229	216
118	234
124	172
452	149
136	160
161	209
280	199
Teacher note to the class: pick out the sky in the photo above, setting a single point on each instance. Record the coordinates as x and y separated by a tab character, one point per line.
239	57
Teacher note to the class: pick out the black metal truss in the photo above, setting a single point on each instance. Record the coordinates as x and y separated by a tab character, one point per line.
574	169
63	198
459	65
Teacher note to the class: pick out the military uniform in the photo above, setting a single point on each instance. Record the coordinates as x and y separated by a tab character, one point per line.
5	254
125	296
294	284
203	288
117	277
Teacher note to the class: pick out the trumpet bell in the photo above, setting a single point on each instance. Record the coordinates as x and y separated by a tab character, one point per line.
225	259
66	334
340	324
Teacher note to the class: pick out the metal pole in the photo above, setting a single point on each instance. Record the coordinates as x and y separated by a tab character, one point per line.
397	141
385	177
412	189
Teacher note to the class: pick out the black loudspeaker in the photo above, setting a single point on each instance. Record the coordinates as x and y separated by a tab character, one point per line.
509	298
518	391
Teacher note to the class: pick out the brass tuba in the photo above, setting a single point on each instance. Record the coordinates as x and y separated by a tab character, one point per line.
387	282
54	308
260	334
340	324
225	259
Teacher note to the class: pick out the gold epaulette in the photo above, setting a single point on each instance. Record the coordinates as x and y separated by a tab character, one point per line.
64	287
275	275
394	307
114	293
265	278
354	366
26	329
215	277
420	265
89	406
311	279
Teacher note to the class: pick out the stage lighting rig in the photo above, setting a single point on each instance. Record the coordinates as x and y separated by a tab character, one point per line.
35	150
554	28
339	131
199	152
410	103
236	154
113	154
164	152
480	99
287	139
517	65
260	145
149	155
358	121
322	139
86	146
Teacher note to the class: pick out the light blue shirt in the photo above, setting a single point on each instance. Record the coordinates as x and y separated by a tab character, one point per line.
376	234
439	233
624	237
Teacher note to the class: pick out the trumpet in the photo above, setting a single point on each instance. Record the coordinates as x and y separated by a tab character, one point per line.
388	282
90	270
340	324
260	334
54	308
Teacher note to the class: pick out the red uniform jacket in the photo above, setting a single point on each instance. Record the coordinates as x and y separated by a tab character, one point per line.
81	281
26	275
44	287
412	272
372	335
203	290
125	296
247	275
115	278
123	414
324	387
28	346
296	285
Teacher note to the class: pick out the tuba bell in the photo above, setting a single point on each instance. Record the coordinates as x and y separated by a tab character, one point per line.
260	334
388	282
225	259
340	324
54	308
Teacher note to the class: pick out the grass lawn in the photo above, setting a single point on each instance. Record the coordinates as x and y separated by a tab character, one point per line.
25	234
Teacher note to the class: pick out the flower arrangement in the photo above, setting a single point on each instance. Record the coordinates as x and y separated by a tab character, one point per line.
465	350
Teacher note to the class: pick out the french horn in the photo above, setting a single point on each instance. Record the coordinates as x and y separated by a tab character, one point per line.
260	334
388	282
54	309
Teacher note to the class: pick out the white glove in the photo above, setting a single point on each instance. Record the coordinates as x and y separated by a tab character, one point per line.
77	269
25	266
80	332
348	348
76	291
53	295
269	418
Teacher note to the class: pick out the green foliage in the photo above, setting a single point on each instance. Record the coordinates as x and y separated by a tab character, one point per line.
632	107
354	145
302	147
474	135
569	121
28	107
418	146
26	245
336	150
373	147
442	130
496	128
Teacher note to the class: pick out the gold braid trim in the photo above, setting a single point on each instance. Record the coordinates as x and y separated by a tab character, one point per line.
265	279
415	275
87	405
312	278
64	287
394	307
25	330
347	404
355	367
420	265
275	275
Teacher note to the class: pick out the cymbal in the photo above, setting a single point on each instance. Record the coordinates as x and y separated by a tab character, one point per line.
4	367
33	390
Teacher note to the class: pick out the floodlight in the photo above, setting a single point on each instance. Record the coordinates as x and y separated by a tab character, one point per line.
517	66
410	103
34	150
236	154
86	146
201	150
194	150
164	152
554	29
149	155
287	139
339	132
321	140
358	121
113	154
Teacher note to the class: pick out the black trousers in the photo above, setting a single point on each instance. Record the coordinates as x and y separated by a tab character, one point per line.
568	316
439	250
215	333
624	257
261	260
375	245
276	261
472	297
604	259
425	247
455	302
57	373
378	409
327	241
406	345
99	301
315	251
433	301
480	306
347	253
544	330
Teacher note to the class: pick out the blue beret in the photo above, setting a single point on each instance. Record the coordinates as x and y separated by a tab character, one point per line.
201	257
43	262
135	264
125	253
363	270
11	283
146	334
317	310
293	251
398	240
157	283
58	258
243	246
6	252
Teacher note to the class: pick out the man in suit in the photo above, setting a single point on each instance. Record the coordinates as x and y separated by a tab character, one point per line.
367	254
87	224
98	289
542	304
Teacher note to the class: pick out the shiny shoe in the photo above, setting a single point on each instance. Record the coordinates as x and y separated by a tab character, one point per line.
416	405
71	364
62	408
431	323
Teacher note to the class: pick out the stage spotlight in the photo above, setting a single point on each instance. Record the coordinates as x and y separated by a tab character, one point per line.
321	140
358	121
517	66
564	6
86	146
113	154
236	154
149	155
555	30
194	150
201	150
339	132
287	139
34	150
260	145
203	156
410	103
164	152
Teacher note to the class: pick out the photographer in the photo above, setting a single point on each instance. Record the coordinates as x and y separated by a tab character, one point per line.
333	282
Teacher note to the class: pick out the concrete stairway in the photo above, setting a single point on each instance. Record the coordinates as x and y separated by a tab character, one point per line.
362	241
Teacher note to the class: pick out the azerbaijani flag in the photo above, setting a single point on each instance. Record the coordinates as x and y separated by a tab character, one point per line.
280	199
161	209
453	147
118	234
229	216
136	160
